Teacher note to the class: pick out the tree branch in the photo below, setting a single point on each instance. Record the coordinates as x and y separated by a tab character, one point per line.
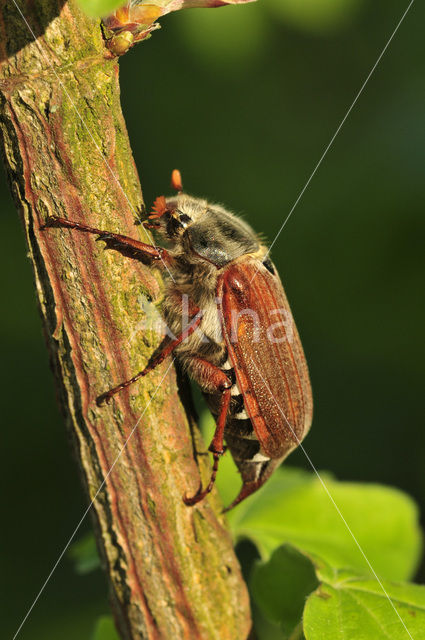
171	569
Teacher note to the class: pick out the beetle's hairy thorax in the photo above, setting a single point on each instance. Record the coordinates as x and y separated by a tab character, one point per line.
195	285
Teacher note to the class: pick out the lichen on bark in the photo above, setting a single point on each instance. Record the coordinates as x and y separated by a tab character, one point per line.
171	569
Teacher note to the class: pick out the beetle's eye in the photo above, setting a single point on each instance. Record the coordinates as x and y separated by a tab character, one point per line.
173	226
185	219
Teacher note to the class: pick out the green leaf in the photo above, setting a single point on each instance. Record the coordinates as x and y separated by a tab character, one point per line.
100	8
348	606
83	554
294	507
223	39
105	629
265	629
341	604
319	16
281	585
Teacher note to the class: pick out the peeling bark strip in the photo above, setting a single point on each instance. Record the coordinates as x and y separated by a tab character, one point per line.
172	570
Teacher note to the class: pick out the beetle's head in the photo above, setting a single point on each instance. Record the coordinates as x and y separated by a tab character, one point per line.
171	216
199	230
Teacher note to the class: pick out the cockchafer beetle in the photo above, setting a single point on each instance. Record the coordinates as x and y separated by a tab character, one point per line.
240	345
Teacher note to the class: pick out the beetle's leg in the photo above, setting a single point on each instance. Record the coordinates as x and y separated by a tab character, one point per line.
156	360
223	385
128	246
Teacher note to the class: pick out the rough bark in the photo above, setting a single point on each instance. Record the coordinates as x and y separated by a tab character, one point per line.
171	569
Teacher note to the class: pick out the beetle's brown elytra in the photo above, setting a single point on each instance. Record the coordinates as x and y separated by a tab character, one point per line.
239	341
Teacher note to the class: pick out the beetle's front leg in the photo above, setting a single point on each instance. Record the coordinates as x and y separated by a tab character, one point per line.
126	245
218	380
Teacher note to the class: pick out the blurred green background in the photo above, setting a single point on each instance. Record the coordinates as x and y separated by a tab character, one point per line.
244	101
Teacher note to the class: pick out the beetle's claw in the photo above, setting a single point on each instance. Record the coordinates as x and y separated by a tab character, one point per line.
49	222
199	495
104	398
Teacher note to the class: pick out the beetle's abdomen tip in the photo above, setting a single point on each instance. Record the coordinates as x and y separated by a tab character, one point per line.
247	489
